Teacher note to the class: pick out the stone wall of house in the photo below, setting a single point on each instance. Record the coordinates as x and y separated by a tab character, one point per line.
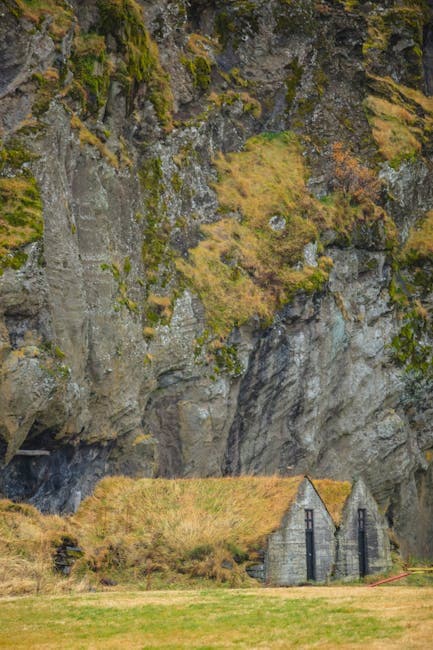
378	547
285	559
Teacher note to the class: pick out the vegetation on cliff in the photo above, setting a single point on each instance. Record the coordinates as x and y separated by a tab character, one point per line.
58	12
401	119
21	219
252	261
124	19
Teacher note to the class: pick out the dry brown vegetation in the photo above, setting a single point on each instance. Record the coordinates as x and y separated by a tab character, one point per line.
87	137
352	178
191	527
154	533
27	543
151	530
58	13
244	266
252	260
401	119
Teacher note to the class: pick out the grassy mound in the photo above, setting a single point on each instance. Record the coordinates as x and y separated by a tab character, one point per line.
28	541
181	529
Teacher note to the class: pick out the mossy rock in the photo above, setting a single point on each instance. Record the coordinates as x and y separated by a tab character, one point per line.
237	18
21	220
418	249
200	70
37	11
91	70
124	20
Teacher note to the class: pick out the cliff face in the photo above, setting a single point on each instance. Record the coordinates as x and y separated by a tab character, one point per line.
216	244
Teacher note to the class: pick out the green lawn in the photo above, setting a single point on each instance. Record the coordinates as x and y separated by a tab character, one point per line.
344	617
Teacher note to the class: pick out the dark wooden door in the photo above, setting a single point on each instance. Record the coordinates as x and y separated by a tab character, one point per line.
362	542
309	545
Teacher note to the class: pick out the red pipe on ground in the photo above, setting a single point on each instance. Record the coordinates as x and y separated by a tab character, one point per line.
382	582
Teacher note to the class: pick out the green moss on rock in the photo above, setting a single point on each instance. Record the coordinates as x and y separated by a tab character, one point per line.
419	246
200	70
403	21
124	20
48	86
238	17
91	70
410	347
21	220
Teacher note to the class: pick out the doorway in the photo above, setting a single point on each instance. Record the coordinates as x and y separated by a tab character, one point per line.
362	542
309	544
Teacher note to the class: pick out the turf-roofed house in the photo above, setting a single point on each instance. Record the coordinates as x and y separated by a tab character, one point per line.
331	529
279	530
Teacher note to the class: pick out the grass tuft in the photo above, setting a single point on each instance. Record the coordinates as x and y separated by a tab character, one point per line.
27	544
401	119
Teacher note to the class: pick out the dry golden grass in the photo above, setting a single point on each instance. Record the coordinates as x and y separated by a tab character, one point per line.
228	290
267	178
251	263
334	495
401	119
190	521
162	304
27	542
201	45
244	267
393	130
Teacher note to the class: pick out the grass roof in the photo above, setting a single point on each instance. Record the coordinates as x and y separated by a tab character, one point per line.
334	495
170	531
185	513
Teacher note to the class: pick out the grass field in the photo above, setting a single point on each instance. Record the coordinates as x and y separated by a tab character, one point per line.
309	617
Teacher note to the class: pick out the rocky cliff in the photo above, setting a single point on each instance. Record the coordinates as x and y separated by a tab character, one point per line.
216	238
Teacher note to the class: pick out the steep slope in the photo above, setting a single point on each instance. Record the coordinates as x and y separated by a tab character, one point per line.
215	244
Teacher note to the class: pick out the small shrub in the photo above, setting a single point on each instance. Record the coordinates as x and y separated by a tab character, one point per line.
352	178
